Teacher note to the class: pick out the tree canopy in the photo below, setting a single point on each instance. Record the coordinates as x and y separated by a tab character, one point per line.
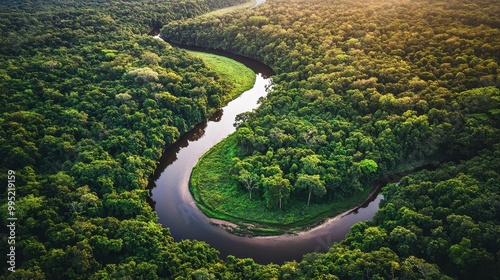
363	89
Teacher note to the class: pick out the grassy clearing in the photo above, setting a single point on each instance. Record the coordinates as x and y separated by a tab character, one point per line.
219	196
237	75
231	9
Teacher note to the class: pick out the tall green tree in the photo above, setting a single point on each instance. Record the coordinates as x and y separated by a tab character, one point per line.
312	183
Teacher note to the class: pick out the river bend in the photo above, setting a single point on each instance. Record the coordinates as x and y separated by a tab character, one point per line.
177	209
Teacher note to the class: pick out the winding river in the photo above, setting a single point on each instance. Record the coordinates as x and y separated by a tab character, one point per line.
177	210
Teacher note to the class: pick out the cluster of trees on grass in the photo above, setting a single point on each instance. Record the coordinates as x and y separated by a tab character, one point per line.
363	87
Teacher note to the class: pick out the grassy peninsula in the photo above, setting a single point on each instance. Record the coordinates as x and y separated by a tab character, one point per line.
234	74
219	196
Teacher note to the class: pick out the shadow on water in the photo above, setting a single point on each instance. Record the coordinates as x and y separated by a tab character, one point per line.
170	153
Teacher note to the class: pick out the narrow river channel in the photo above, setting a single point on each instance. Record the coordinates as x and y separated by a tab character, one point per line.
177	210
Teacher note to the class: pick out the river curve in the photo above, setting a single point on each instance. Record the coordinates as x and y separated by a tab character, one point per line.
177	209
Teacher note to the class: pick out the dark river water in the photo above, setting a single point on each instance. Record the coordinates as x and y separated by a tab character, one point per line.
177	209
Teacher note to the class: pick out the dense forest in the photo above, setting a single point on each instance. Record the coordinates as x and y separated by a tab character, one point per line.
89	102
363	89
361	92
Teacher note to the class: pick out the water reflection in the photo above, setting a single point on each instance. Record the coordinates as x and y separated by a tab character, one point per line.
170	155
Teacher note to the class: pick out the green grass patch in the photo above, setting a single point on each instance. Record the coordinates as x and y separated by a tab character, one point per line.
239	77
231	9
219	196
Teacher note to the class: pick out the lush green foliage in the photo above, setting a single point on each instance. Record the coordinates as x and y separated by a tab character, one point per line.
361	95
449	217
88	102
365	89
220	196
